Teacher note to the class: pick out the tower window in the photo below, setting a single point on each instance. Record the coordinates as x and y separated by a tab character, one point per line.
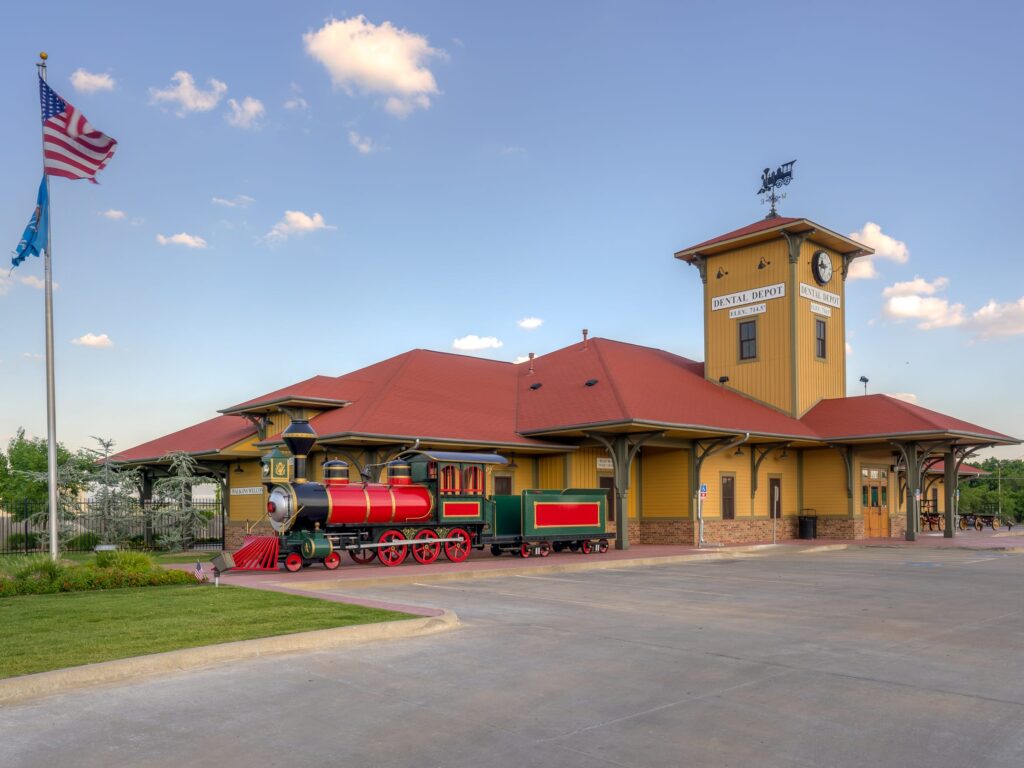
820	347
748	340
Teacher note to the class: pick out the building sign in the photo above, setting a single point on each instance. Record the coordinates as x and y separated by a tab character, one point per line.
752	296
823	297
750	309
605	463
255	490
818	309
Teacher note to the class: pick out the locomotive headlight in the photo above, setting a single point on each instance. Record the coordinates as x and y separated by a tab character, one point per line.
279	508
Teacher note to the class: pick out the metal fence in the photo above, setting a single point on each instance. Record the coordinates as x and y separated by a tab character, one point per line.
86	524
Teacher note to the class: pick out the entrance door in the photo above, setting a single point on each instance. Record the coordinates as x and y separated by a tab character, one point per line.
775	497
874	502
608	483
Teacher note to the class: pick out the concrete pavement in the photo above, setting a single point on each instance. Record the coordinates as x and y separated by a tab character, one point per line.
865	657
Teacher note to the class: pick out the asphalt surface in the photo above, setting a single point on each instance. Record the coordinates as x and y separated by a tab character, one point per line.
886	657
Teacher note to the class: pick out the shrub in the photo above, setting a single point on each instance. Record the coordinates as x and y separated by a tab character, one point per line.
38	575
18	541
83	542
126	561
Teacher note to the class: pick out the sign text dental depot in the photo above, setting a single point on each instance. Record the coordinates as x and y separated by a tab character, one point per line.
752	296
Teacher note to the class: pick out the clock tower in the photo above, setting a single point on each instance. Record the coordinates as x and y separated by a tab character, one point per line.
774	310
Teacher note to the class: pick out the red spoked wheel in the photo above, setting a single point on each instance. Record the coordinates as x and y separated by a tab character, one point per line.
425	552
362	556
293	562
457	551
545	548
602	546
525	550
585	547
332	561
395	553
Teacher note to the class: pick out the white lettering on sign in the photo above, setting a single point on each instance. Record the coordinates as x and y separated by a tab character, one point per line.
255	490
776	291
816	294
605	464
750	309
818	309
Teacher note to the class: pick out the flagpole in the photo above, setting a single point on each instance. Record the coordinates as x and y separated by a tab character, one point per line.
51	398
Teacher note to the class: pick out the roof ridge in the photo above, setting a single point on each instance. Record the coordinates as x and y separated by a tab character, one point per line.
914	410
407	355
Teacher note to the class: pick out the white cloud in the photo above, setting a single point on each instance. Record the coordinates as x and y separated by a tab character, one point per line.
371	58
849	349
363	144
187	97
238	201
907	397
5	284
930	311
885	247
474	343
113	214
996	319
182	238
245	115
296	102
530	323
32	355
36	282
93	340
297	223
916	286
521	359
90	82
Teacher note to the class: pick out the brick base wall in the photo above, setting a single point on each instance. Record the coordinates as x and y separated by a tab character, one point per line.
898	526
749	531
666	532
234	533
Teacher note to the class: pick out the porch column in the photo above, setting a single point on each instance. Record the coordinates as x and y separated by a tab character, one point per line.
950	481
623	449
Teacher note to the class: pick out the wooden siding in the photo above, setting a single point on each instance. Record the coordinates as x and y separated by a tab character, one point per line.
825	483
551	472
711	472
818	379
666	483
768	378
583	467
785	469
248	508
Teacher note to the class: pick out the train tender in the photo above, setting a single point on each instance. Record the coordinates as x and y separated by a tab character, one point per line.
427	503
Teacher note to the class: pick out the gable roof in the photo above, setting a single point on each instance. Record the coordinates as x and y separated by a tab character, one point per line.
206	437
318	391
882	416
766	229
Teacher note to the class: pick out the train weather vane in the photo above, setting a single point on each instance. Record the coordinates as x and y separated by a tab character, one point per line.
773	180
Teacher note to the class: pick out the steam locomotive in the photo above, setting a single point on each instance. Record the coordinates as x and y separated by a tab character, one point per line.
427	503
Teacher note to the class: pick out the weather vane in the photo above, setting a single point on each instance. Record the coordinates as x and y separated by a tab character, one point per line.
773	180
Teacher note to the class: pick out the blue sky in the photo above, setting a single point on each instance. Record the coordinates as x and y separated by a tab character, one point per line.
497	162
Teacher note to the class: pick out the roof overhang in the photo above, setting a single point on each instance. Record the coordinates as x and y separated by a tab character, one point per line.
960	439
362	438
826	237
278	403
687	431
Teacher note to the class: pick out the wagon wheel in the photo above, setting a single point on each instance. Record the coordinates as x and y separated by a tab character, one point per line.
602	546
293	562
362	556
457	551
979	524
425	553
496	550
332	561
545	549
942	523
396	553
585	547
524	551
996	522
963	524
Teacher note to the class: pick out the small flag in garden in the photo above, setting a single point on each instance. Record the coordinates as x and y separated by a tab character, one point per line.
200	576
71	147
33	241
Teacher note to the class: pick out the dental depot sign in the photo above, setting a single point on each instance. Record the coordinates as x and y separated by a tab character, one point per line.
752	296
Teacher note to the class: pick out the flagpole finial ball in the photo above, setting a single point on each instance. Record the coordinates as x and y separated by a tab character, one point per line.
43	55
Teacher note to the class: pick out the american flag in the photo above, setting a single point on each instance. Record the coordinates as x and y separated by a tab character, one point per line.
198	572
71	147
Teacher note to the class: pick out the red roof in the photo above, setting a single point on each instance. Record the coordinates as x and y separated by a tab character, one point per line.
885	416
316	388
637	383
939	465
750	229
206	437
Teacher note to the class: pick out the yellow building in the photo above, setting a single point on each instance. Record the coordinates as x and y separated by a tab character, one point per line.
735	449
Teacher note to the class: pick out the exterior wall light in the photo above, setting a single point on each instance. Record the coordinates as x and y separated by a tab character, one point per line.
762	263
864	381
723	380
721	273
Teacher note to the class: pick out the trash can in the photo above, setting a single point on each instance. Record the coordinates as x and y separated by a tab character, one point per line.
807	524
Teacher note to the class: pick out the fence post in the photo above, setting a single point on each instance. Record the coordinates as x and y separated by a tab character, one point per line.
24	510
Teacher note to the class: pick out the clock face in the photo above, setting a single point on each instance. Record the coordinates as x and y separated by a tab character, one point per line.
821	267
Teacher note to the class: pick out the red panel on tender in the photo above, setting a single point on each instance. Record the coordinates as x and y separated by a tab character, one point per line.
556	514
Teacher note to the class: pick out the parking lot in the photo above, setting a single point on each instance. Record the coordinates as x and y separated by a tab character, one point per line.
881	657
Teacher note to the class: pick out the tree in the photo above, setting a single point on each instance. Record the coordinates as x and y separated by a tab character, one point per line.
183	517
114	490
24	480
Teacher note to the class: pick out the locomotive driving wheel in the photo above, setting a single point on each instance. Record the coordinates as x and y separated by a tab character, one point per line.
332	561
457	551
395	553
362	556
425	552
293	562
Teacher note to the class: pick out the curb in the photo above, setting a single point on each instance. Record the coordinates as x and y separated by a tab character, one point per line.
494	573
18	689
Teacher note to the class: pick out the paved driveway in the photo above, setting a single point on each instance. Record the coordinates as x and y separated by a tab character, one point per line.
888	657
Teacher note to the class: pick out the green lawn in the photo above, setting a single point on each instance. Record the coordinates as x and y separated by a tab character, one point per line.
163	558
42	632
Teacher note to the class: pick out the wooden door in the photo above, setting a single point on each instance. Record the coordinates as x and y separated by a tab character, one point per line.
874	501
728	497
775	497
608	483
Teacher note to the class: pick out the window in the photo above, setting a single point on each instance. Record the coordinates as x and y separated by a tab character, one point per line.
450	478
473	480
819	339
775	497
728	497
748	340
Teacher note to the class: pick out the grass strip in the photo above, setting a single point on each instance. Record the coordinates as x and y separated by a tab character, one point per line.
44	632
